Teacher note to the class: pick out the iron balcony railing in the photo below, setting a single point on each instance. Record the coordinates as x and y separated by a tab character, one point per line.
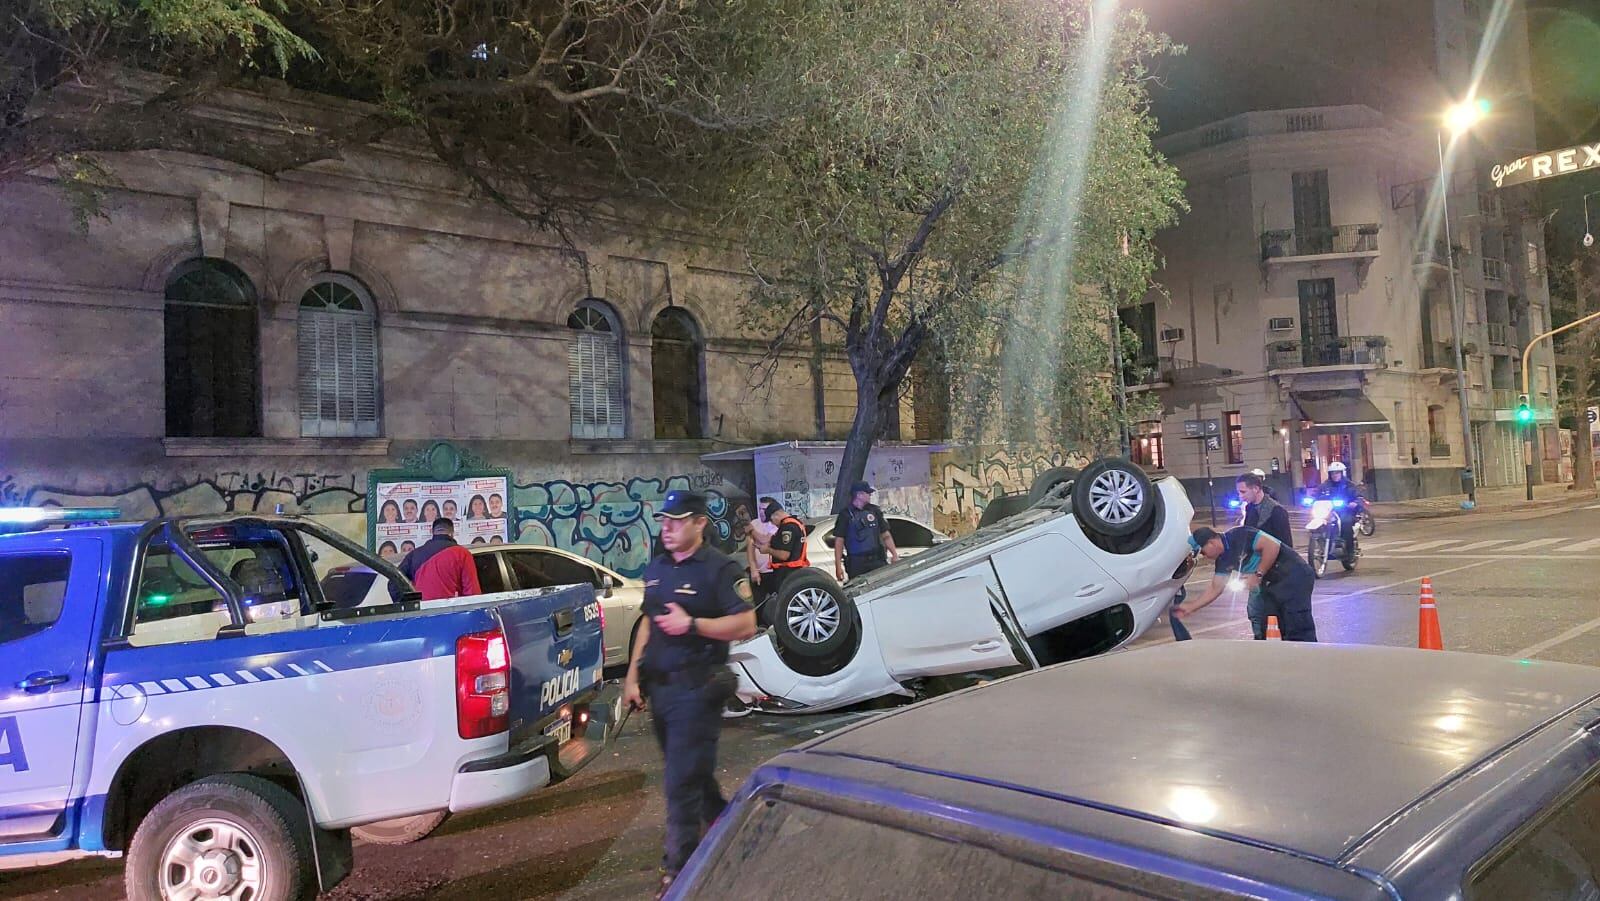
1499	334
1494	271
1311	242
1362	350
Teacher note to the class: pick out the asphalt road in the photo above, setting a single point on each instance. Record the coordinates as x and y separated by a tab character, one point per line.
1522	584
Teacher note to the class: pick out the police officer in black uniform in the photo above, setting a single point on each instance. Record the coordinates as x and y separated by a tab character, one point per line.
1279	580
861	539
697	601
786	549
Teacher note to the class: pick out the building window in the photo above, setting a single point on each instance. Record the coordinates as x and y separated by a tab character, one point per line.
1147	449
675	378
594	372
338	360
213	386
1235	437
1437	446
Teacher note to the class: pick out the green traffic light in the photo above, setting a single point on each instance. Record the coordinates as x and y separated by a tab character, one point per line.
1524	414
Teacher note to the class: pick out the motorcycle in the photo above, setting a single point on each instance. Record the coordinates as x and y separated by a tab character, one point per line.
1364	521
1325	529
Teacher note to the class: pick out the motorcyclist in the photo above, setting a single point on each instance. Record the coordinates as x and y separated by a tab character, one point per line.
1338	487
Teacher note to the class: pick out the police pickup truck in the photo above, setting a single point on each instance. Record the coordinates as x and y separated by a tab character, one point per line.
185	693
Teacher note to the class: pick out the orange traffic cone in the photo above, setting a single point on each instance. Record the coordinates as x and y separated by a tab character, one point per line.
1272	629
1428	637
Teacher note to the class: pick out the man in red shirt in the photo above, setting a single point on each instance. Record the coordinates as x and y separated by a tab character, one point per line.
442	569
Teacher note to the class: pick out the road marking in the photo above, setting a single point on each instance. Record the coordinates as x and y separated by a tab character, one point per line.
1452	554
1581	546
1548	643
1233	624
1426	545
1529	545
1595	507
1483	544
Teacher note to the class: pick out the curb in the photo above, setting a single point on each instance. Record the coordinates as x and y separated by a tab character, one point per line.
1382	512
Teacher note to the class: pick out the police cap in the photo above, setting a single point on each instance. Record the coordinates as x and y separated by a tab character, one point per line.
859	487
683	504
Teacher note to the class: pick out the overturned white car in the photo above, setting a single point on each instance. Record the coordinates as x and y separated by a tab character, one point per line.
1085	569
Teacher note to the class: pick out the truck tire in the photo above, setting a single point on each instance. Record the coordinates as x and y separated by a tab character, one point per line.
402	830
223	835
813	617
1113	498
1050	480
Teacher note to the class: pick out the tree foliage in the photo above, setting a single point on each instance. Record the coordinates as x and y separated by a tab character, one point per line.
955	172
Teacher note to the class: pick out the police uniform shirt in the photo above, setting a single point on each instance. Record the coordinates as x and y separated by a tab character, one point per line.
1241	554
707	584
789	538
862	530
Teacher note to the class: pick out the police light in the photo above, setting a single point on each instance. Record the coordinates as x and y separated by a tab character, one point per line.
1307	501
1338	503
1233	504
16	519
1524	410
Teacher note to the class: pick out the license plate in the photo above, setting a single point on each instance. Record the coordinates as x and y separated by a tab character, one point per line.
561	731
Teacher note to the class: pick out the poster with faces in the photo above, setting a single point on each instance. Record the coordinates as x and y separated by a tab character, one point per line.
406	511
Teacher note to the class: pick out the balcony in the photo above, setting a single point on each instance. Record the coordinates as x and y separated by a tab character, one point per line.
1500	334
1357	350
1437	255
1439	355
1494	272
1438	450
1349	241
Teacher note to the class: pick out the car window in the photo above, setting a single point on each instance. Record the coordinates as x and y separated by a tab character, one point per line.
33	588
784	849
908	534
174	603
1559	858
490	577
536	569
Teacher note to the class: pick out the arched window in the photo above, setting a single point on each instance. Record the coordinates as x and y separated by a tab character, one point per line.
213	387
594	372
675	375
338	360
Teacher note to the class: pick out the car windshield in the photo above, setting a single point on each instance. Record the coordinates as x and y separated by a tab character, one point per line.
935	556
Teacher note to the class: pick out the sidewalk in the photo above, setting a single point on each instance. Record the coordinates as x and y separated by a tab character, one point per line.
1490	500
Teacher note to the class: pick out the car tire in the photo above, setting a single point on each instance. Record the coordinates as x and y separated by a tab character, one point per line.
814	618
1048	481
256	832
401	830
1113	498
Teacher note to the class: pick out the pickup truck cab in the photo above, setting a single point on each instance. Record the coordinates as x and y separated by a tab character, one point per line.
182	693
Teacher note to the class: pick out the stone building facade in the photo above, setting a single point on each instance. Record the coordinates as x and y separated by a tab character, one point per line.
221	339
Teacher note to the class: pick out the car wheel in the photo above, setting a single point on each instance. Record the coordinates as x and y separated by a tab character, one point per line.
228	836
402	830
1113	498
1050	480
814	618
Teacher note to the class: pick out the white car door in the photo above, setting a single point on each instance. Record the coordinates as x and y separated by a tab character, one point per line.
1049	580
945	626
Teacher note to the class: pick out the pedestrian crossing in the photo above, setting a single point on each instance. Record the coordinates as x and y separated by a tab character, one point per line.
1562	546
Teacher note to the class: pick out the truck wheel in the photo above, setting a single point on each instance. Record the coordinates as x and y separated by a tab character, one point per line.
227	836
1050	480
813	617
1113	498
402	830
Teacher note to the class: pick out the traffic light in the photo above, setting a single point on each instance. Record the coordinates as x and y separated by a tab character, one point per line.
1524	411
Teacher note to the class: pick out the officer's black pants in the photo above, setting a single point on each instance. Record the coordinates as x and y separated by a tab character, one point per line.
688	722
860	566
1290	601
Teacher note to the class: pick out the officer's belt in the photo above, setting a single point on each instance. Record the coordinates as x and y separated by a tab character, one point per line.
688	677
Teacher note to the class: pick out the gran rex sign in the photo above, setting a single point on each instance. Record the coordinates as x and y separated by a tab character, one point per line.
1546	165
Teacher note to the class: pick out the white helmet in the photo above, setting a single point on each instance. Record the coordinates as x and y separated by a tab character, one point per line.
1258	472
1336	467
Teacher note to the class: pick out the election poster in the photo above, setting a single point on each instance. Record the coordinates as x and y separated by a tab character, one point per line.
406	511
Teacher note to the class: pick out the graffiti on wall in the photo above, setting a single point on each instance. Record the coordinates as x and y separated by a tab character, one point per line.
261	490
965	482
614	522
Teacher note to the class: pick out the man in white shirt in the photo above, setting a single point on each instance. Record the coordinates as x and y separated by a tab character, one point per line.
759	533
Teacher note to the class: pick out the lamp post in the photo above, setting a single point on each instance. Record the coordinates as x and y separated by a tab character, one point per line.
1459	119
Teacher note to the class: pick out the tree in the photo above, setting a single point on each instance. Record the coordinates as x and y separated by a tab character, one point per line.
518	96
1574	290
902	169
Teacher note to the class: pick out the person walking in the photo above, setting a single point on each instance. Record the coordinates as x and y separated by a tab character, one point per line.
1279	581
861	539
696	602
440	568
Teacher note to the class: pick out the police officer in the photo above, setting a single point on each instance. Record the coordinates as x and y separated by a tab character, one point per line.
1279	581
697	601
1338	487
861	539
787	550
1261	510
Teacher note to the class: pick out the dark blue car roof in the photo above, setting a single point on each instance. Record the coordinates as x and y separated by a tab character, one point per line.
1303	748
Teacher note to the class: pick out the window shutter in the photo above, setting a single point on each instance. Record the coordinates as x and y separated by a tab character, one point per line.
338	361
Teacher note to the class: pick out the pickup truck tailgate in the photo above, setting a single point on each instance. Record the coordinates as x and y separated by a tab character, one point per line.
557	650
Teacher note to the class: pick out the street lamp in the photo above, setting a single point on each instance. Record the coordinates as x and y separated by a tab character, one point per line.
1459	119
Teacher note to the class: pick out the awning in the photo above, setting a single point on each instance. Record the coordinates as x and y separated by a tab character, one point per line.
1341	411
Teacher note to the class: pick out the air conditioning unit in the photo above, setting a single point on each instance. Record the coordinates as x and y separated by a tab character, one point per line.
1171	335
1281	323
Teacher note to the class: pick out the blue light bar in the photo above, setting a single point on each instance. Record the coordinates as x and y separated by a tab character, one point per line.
1307	501
14	519
1338	503
1233	504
